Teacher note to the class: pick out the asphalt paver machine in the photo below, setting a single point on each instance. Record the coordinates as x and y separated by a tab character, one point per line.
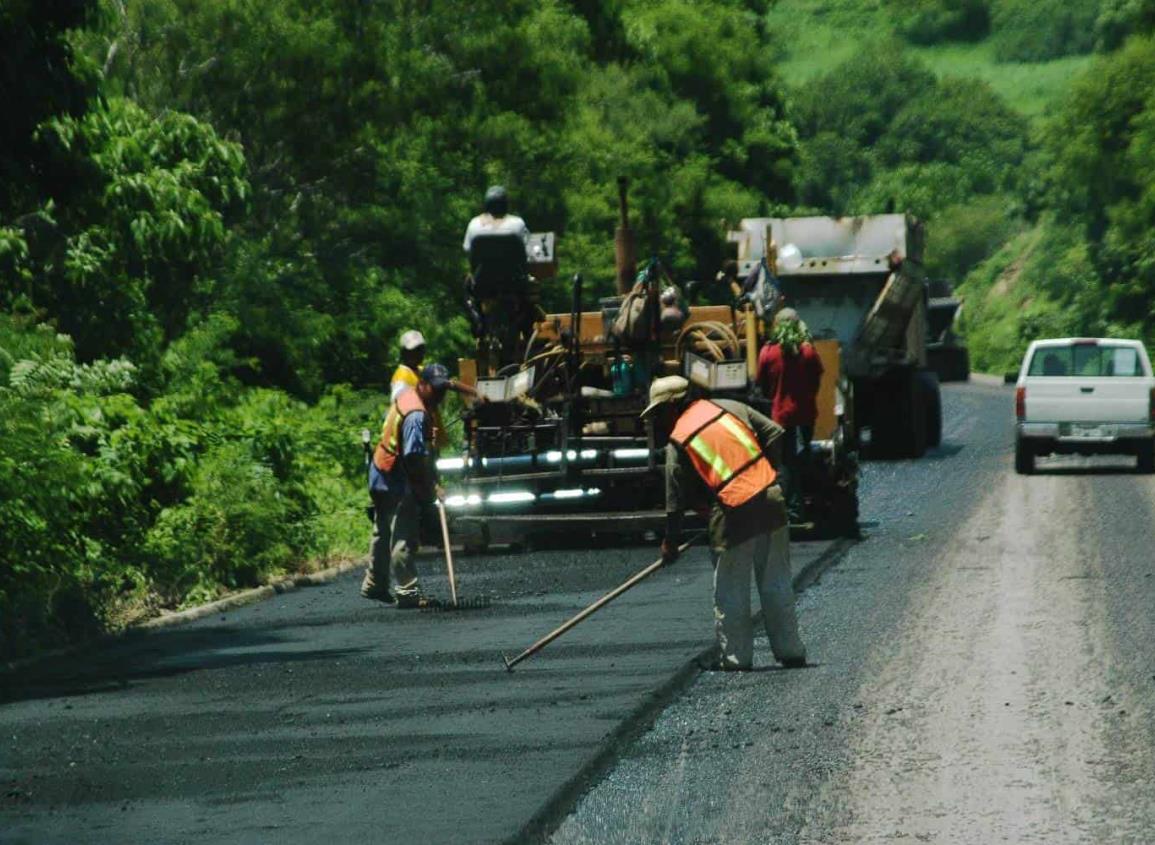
559	449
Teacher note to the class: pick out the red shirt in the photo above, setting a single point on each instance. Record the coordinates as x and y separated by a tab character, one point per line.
790	382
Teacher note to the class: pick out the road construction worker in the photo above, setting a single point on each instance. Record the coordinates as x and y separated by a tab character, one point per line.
412	356
406	375
717	459
496	219
789	374
403	479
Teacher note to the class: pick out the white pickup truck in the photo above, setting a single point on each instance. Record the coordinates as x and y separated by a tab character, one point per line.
1085	396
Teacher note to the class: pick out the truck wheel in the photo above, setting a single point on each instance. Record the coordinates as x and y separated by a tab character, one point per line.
1146	453
1024	457
932	398
898	425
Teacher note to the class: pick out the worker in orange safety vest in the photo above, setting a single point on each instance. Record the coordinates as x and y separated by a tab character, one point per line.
719	459
403	479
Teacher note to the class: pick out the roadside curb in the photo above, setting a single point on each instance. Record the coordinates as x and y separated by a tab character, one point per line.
256	594
563	801
168	620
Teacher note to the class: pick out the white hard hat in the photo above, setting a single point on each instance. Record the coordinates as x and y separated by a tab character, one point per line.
412	339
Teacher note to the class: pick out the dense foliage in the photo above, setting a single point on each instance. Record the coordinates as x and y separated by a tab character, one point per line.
217	216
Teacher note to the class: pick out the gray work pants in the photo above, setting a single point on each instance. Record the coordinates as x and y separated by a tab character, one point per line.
396	535
767	555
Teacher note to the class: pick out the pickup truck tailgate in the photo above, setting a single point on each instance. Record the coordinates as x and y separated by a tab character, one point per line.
1087	400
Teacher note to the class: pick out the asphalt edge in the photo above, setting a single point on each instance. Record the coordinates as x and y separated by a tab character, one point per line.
564	800
181	617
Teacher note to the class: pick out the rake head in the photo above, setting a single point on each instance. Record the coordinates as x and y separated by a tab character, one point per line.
442	606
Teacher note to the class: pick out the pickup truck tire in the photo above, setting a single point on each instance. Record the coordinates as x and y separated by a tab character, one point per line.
932	403
1146	455
1024	457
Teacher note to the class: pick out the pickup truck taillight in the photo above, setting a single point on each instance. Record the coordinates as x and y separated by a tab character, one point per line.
1151	406
1021	403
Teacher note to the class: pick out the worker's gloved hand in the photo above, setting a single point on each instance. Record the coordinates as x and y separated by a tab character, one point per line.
438	493
669	552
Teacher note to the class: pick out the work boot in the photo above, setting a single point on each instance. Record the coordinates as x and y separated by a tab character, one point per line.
380	594
416	601
370	589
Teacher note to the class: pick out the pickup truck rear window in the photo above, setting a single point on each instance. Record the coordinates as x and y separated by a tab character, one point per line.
1086	360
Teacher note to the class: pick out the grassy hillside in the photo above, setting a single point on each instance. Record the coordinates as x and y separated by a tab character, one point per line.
1020	273
814	36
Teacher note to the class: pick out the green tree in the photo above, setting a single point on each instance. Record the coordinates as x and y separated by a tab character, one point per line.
40	77
1038	30
1102	143
119	263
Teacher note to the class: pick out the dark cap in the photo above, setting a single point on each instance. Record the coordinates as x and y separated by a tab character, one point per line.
496	201
436	376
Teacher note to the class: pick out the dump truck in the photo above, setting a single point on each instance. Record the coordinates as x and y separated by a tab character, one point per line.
859	282
559	448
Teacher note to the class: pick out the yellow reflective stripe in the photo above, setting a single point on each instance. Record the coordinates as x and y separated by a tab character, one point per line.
741	435
711	457
390	430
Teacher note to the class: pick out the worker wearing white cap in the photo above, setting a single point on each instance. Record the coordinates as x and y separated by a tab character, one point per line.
406	375
412	354
718	458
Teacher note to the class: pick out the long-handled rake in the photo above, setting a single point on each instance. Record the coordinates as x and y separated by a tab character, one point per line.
592	609
465	604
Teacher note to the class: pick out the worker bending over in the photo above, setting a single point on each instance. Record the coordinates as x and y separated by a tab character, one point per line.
790	373
717	459
402	479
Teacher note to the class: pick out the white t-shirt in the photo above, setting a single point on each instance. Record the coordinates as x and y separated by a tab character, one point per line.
487	224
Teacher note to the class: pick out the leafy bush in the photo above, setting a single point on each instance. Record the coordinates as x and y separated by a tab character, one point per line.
111	507
1038	30
1120	18
1102	144
966	235
917	144
934	21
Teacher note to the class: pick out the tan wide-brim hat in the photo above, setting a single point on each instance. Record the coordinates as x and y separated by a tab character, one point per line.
663	390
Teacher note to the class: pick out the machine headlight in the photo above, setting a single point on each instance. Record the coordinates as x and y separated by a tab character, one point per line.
631	454
510	497
458	501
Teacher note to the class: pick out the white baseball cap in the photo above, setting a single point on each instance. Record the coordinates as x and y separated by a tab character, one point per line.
412	339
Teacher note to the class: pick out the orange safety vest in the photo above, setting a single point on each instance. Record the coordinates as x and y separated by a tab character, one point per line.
389	446
724	451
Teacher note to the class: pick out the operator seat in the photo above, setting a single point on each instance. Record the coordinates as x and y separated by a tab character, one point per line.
498	265
503	296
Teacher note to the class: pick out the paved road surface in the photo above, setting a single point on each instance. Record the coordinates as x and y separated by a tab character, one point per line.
318	716
987	674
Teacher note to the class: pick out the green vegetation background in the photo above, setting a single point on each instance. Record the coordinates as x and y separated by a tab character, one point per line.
217	216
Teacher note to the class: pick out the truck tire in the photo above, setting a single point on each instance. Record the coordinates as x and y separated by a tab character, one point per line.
899	420
1146	456
950	363
932	400
1024	457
